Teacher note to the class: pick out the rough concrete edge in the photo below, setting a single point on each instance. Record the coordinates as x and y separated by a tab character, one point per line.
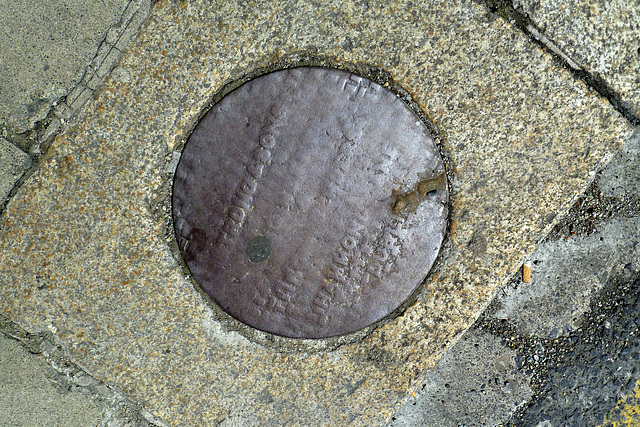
519	19
554	347
117	408
67	110
557	227
545	352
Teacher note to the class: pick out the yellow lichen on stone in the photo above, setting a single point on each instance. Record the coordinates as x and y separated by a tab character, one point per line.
627	412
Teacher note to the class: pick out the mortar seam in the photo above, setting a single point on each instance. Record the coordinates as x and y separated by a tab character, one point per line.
506	10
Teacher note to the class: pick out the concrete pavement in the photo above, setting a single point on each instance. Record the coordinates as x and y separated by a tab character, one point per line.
40	386
565	348
526	112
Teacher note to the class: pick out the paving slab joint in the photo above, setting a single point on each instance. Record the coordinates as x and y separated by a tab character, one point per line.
67	110
116	39
117	408
591	211
521	20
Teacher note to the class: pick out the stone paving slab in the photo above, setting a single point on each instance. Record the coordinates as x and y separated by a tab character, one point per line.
88	238
53	57
602	37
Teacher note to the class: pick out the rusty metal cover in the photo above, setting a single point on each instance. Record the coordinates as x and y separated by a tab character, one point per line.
310	202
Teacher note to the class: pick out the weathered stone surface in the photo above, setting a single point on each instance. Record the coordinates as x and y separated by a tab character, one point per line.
621	178
560	292
600	36
30	394
89	253
570	272
479	383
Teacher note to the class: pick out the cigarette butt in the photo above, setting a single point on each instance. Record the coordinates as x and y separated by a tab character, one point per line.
526	272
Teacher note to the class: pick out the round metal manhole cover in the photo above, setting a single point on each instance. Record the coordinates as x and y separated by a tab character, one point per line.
310	202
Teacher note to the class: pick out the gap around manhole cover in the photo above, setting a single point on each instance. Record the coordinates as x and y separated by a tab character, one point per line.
310	202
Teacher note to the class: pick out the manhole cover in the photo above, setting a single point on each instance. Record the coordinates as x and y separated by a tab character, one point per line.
310	203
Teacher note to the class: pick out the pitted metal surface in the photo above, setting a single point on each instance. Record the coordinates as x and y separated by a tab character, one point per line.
310	202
